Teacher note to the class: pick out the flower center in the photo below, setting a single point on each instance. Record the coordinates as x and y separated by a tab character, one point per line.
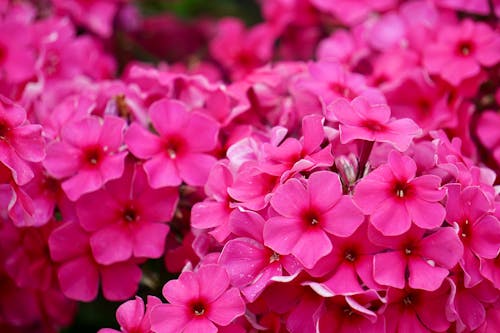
408	299
401	189
341	90
350	255
311	218
129	214
465	48
373	125
93	156
466	229
3	53
3	131
173	147
198	308
274	257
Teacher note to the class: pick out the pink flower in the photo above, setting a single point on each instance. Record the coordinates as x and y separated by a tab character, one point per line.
395	198
20	142
132	316
132	217
361	120
309	211
414	258
180	150
198	302
79	274
88	155
461	50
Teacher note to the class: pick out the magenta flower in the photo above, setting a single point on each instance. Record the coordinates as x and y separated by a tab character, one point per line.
461	50
414	258
180	150
20	142
78	272
361	120
132	218
133	316
309	211
88	155
394	197
198	302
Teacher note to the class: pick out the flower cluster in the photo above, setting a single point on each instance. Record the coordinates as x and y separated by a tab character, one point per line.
358	191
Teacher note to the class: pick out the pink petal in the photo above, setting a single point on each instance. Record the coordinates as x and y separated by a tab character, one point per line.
247	224
213	280
85	181
288	199
391	218
402	166
344	280
162	172
141	142
400	133
427	215
120	281
62	160
313	133
443	247
243	259
389	269
282	234
253	291
345	114
200	325
424	276
79	279
486	237
209	214
427	188
82	133
149	239
202	132
313	245
470	310
167	318
28	143
324	190
370	194
157	205
169	116
182	290
194	168
68	241
227	307
116	234
111	135
129	315
343	219
92	219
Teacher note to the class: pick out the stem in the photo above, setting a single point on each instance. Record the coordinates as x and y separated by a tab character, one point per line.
366	150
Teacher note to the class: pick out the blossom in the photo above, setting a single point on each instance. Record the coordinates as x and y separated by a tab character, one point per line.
88	155
308	212
395	198
132	217
198	302
20	141
132	316
461	50
361	120
180	150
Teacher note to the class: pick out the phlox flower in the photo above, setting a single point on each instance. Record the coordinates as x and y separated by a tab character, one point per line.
131	216
353	313
461	50
20	141
410	310
308	211
395	198
180	150
470	210
133	316
79	273
413	258
363	120
250	264
88	154
199	301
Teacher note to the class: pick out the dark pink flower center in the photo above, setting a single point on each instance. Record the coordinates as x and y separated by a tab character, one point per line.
174	147
465	48
465	230
4	129
129	214
341	90
93	155
246	59
374	125
3	53
311	218
410	300
198	308
350	255
402	190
